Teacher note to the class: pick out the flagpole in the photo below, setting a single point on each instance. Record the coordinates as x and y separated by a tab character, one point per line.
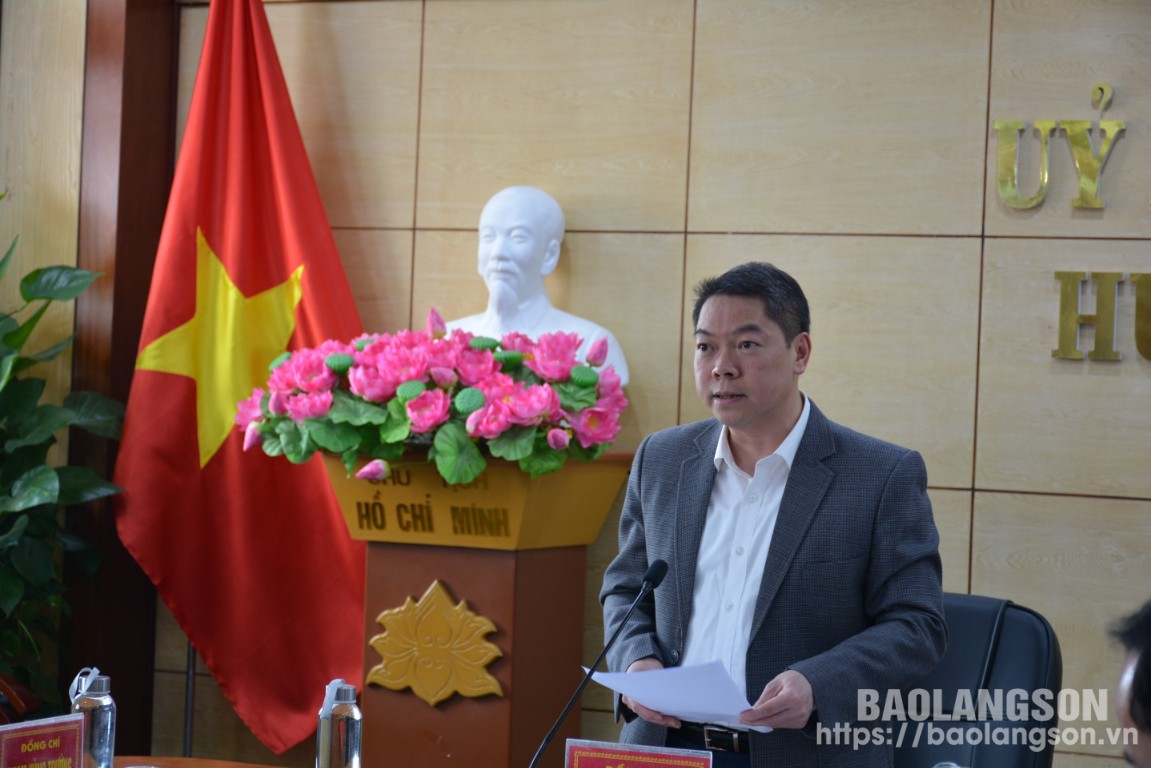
189	697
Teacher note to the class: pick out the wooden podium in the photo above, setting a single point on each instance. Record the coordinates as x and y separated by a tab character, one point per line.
523	570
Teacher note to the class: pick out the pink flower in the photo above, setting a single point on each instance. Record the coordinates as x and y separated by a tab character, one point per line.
598	352
497	386
371	383
376	469
310	405
436	326
558	439
429	410
610	391
554	355
304	371
531	405
248	410
517	342
278	404
475	365
490	421
595	425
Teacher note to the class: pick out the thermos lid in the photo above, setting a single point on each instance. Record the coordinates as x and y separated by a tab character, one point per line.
346	694
100	686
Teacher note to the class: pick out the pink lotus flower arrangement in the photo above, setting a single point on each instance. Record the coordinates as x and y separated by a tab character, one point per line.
461	398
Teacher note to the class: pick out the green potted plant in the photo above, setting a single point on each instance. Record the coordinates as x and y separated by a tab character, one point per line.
33	538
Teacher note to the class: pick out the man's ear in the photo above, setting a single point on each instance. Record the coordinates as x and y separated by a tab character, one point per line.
551	258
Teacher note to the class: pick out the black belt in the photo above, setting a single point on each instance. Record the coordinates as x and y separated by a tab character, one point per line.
715	737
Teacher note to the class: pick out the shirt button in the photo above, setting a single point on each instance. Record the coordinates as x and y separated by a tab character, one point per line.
730	606
753	499
739	550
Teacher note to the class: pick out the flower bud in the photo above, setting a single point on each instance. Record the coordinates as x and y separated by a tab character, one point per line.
376	469
436	326
558	439
251	435
598	352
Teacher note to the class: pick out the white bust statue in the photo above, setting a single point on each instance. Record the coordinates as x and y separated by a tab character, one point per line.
521	229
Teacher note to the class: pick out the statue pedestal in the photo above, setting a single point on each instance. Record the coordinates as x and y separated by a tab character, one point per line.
536	600
524	570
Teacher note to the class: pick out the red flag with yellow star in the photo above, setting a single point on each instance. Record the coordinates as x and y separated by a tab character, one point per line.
250	553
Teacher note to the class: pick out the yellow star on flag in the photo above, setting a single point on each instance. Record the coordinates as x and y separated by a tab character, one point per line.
228	344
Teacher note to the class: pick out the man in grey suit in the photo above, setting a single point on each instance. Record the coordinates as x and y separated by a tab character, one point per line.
802	555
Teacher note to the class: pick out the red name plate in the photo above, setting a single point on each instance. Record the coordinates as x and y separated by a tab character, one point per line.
54	742
603	754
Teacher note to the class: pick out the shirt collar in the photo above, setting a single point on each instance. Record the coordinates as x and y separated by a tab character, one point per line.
786	450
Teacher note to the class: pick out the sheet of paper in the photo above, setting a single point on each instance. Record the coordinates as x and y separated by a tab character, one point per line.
700	694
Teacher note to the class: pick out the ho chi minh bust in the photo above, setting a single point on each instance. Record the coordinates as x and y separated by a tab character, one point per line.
520	232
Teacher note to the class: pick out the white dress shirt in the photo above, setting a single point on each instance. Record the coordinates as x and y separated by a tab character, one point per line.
741	518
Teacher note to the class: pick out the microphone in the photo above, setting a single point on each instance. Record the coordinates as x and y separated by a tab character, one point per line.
652	579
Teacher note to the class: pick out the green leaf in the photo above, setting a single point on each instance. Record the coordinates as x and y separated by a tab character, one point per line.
587	454
20	397
58	283
11	249
573	397
14	533
458	459
27	361
11	591
271	444
40	425
33	560
80	484
514	444
16	338
298	447
543	461
39	485
398	426
96	413
7	365
349	409
336	438
410	390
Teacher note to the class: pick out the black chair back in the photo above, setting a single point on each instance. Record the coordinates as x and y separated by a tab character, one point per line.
994	646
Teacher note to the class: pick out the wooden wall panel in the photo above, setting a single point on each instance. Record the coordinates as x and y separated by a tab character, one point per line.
1081	562
894	329
378	264
40	123
1047	56
1049	424
353	72
823	117
587	99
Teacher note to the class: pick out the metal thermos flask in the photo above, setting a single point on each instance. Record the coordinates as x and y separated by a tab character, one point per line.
91	695
340	727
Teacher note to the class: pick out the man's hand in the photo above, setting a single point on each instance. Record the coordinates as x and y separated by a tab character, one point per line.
643	665
786	702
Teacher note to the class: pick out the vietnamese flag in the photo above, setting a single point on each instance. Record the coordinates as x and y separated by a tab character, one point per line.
249	552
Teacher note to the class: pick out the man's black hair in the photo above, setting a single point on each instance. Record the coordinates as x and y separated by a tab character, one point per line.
1134	632
783	299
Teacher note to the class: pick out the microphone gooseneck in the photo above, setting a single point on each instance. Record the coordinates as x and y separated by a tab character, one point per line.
652	579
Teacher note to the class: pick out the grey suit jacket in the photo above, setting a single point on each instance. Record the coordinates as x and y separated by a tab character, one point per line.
851	594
